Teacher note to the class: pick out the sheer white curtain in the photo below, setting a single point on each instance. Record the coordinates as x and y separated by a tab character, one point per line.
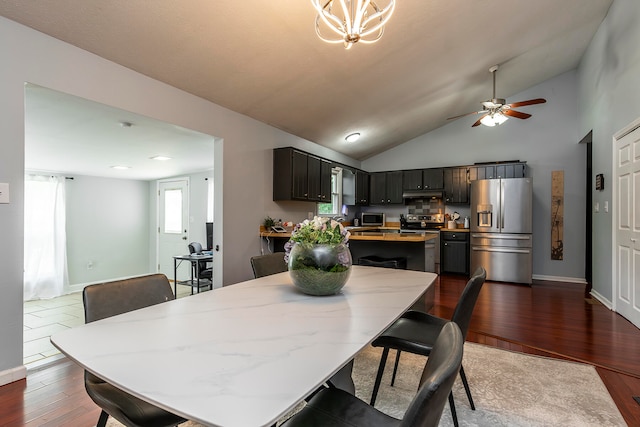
45	241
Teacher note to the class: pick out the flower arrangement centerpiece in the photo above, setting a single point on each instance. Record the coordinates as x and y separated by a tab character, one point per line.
318	257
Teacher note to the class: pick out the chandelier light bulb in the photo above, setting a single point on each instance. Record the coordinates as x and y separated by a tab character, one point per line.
351	21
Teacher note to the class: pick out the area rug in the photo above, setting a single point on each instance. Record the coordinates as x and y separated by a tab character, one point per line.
509	389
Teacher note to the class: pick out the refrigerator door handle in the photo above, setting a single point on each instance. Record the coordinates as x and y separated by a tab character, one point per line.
501	215
498	237
503	250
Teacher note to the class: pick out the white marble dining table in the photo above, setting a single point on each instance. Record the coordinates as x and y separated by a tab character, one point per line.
246	354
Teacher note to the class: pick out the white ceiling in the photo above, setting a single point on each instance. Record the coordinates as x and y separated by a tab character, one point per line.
263	58
70	135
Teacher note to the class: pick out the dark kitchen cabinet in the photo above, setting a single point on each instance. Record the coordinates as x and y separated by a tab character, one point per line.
456	187
454	255
300	176
412	180
433	179
386	188
362	188
497	170
422	179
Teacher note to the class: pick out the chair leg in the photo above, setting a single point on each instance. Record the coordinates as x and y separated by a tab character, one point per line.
376	386
102	421
452	405
395	368
466	387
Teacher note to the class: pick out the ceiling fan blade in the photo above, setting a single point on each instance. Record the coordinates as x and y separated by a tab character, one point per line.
529	102
514	113
468	114
478	122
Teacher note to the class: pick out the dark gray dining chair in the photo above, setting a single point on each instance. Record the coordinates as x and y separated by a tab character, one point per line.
416	332
266	265
332	407
109	299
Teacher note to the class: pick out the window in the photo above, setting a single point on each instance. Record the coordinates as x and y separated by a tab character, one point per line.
333	208
173	211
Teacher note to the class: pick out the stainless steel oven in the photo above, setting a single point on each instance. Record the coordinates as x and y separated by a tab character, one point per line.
428	224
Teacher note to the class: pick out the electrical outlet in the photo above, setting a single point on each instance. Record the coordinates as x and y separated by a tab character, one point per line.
90	265
309	215
596	207
4	192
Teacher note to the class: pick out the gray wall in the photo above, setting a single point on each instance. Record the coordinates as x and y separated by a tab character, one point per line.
548	141
106	226
243	159
609	100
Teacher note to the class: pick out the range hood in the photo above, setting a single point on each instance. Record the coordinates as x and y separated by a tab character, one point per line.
422	194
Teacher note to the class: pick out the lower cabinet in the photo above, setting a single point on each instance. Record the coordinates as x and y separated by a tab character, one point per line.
454	252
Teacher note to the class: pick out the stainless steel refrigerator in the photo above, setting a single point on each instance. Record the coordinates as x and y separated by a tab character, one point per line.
501	225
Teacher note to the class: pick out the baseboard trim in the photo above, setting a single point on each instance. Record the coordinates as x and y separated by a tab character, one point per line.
603	300
13	374
578	280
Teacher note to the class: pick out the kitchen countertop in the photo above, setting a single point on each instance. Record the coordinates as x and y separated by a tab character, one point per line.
380	235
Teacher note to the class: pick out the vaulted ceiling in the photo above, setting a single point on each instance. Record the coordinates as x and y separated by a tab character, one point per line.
263	58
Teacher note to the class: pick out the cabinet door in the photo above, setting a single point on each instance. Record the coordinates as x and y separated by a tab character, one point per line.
412	180
325	181
433	179
378	188
394	187
299	177
313	178
362	188
455	257
456	187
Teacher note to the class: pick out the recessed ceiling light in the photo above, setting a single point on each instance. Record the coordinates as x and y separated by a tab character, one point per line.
353	137
160	158
120	167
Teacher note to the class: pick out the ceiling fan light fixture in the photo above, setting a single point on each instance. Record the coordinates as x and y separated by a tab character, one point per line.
351	21
494	119
352	137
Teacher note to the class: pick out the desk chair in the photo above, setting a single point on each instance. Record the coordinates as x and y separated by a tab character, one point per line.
266	265
416	332
337	408
202	272
109	299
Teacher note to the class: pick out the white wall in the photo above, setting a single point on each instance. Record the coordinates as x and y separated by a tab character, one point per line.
107	227
548	141
609	99
243	159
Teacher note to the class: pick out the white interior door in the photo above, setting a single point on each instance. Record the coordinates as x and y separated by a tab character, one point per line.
173	226
626	284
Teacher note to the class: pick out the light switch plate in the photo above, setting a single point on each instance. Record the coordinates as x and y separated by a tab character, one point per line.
4	192
596	207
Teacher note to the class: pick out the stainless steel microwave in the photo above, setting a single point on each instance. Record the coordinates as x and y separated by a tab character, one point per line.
371	218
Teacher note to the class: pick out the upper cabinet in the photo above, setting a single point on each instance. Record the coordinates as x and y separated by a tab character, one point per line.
386	188
422	179
362	188
300	176
355	187
456	186
497	170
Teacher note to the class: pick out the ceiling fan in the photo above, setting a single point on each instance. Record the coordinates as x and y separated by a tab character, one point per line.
496	110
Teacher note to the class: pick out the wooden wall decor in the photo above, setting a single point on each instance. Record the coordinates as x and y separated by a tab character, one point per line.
557	214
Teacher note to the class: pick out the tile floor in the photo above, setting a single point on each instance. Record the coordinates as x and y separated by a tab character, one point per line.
42	318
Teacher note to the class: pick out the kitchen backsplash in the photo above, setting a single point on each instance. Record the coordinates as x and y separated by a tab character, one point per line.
425	206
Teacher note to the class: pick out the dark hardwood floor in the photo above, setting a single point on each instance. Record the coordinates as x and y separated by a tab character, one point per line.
549	319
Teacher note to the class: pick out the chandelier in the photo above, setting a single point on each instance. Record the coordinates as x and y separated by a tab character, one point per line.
351	21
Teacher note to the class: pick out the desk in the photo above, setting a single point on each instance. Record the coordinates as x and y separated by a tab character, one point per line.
245	354
193	259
